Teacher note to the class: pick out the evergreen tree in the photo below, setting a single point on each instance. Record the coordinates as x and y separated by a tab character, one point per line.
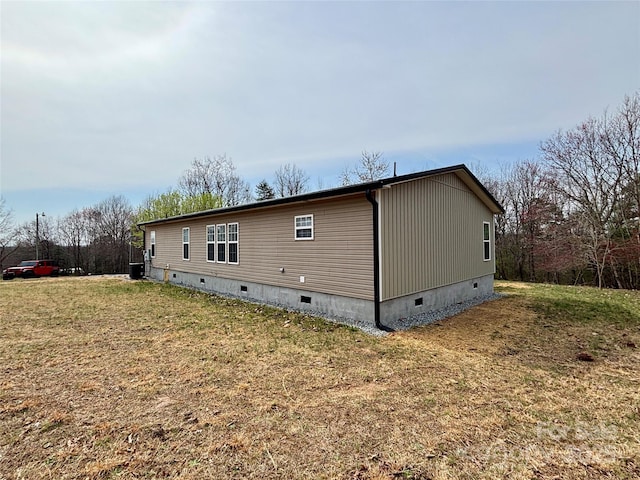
264	191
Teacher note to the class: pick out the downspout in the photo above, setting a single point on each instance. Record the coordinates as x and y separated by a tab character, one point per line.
376	263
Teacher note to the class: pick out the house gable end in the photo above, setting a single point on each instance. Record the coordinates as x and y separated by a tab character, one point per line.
431	235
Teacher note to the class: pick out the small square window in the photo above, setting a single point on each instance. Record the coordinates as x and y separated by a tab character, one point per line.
303	227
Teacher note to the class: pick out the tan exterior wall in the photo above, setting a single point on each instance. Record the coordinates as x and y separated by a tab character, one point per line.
337	261
431	235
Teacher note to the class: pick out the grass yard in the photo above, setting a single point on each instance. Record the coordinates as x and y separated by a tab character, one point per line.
110	378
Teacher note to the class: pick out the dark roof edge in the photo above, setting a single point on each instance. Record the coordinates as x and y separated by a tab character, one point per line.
499	208
333	192
329	193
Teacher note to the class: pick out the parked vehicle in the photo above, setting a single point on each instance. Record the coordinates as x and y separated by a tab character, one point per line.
31	269
76	271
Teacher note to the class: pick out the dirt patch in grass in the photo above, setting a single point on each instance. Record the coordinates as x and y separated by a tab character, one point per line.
517	285
122	379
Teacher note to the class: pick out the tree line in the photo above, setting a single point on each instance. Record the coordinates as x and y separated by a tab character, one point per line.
572	215
103	238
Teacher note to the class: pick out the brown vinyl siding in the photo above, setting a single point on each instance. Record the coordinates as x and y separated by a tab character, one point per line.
337	261
431	233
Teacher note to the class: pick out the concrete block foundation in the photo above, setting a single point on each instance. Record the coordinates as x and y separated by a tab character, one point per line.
335	307
394	313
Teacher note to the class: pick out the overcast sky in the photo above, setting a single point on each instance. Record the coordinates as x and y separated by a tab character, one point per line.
103	98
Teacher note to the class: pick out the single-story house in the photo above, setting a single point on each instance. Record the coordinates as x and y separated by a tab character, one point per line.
375	252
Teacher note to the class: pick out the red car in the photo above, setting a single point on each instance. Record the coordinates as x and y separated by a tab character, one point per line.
31	269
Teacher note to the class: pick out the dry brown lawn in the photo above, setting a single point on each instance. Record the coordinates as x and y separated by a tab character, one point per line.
110	378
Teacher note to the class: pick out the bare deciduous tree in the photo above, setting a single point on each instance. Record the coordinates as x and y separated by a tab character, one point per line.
114	217
290	180
372	166
216	176
622	142
8	234
26	236
589	179
527	190
73	231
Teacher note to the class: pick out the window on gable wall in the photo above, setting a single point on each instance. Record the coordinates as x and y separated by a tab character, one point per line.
211	243
232	238
221	239
185	243
153	243
486	240
303	227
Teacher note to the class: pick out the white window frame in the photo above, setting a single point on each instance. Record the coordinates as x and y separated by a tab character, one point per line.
186	230
152	243
221	243
233	242
210	242
486	242
298	228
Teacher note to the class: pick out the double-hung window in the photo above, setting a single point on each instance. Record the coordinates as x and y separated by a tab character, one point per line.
221	240
153	243
211	243
232	239
185	243
486	240
303	227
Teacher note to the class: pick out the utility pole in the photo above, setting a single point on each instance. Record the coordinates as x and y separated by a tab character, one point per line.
38	233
